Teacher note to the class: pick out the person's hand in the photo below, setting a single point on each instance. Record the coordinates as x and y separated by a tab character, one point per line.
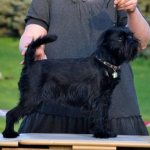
127	5
40	54
24	42
23	45
32	32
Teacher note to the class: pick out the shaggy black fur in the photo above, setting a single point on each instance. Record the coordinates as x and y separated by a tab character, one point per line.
87	83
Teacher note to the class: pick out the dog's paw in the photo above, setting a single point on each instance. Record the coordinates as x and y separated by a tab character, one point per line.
10	134
107	134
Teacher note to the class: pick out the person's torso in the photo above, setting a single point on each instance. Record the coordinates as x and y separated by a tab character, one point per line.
78	24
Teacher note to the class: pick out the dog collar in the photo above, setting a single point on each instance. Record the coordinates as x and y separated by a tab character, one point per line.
113	67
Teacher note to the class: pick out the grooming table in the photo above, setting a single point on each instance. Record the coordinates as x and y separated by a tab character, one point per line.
74	142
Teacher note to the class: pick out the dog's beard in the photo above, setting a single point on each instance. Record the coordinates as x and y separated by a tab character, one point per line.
130	49
126	52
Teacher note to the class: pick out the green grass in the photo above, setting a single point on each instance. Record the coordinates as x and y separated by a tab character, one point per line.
2	123
141	68
10	67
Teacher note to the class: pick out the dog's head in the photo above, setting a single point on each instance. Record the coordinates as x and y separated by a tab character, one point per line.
120	43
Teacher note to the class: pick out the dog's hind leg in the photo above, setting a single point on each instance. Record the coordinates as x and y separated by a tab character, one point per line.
15	115
12	116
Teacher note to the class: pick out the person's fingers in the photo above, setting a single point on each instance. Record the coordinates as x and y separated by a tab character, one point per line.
24	42
40	54
115	2
45	57
120	2
129	8
23	52
127	5
22	62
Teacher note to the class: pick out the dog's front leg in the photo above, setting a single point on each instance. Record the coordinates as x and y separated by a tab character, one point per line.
103	103
101	114
101	125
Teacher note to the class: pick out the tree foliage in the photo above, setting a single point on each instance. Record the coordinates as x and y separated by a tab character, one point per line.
13	12
145	8
12	15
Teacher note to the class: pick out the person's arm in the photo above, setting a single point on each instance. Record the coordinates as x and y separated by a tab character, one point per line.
139	27
32	32
136	22
37	24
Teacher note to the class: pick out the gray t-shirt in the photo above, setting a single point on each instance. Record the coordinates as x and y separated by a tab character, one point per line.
78	24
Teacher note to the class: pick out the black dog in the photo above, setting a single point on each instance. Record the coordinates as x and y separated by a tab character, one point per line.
87	83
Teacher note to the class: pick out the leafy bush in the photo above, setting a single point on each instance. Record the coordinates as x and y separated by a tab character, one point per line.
145	8
12	15
146	53
13	12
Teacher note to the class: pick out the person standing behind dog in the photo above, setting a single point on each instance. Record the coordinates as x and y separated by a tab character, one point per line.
78	24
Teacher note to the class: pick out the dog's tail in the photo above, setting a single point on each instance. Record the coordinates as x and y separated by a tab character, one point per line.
30	53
